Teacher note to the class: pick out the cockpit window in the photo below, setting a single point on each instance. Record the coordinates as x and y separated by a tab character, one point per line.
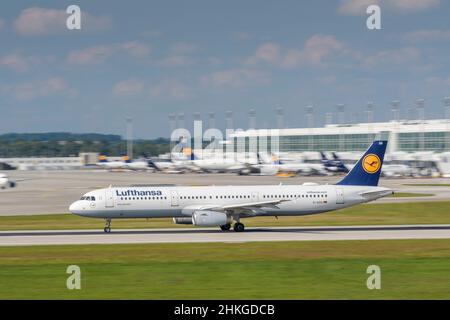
88	198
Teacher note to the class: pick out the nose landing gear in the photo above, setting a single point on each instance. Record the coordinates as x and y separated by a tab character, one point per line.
107	227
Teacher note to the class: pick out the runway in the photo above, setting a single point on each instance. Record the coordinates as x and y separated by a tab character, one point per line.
205	235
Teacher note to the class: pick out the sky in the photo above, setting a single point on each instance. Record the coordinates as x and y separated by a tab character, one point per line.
149	59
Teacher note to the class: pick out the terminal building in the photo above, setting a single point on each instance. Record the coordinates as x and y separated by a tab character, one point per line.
408	136
52	163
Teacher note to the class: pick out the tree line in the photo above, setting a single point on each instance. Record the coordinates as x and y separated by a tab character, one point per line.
66	145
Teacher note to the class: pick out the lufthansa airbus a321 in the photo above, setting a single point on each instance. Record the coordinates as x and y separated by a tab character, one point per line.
221	206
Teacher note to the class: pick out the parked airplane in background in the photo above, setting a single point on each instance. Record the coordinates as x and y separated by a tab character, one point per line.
174	166
110	165
397	170
221	205
218	164
275	166
5	182
336	165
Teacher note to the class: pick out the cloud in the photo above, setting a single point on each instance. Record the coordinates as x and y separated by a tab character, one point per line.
314	52
38	21
2	24
37	89
128	87
267	52
99	54
20	63
390	57
358	7
171	89
413	5
235	78
92	55
355	7
136	48
319	46
179	55
15	62
428	35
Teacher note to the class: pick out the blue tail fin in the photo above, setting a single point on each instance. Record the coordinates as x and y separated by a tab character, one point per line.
151	164
193	156
367	170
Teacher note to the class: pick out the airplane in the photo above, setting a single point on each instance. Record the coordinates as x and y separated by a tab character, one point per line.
219	206
336	165
110	165
397	170
218	164
5	182
171	166
276	166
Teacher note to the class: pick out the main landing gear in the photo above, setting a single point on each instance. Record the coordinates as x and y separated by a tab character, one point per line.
107	228
225	227
238	227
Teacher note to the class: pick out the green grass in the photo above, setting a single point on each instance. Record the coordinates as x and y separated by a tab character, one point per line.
368	214
410	269
428	185
410	195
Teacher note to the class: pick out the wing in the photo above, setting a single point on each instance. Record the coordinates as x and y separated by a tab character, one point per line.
250	208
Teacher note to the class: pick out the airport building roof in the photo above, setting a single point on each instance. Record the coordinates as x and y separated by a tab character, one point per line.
437	125
404	135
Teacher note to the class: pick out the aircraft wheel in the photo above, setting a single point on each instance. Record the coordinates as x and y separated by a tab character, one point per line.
239	227
225	227
107	229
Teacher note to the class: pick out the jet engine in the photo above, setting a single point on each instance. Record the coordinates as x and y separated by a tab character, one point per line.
209	218
182	220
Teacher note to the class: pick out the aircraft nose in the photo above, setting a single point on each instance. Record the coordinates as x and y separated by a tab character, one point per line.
75	207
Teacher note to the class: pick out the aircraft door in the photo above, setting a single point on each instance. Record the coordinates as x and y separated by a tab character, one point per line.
174	198
109	198
339	196
255	197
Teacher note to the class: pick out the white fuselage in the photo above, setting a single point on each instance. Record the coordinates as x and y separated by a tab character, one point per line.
220	164
112	165
246	201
